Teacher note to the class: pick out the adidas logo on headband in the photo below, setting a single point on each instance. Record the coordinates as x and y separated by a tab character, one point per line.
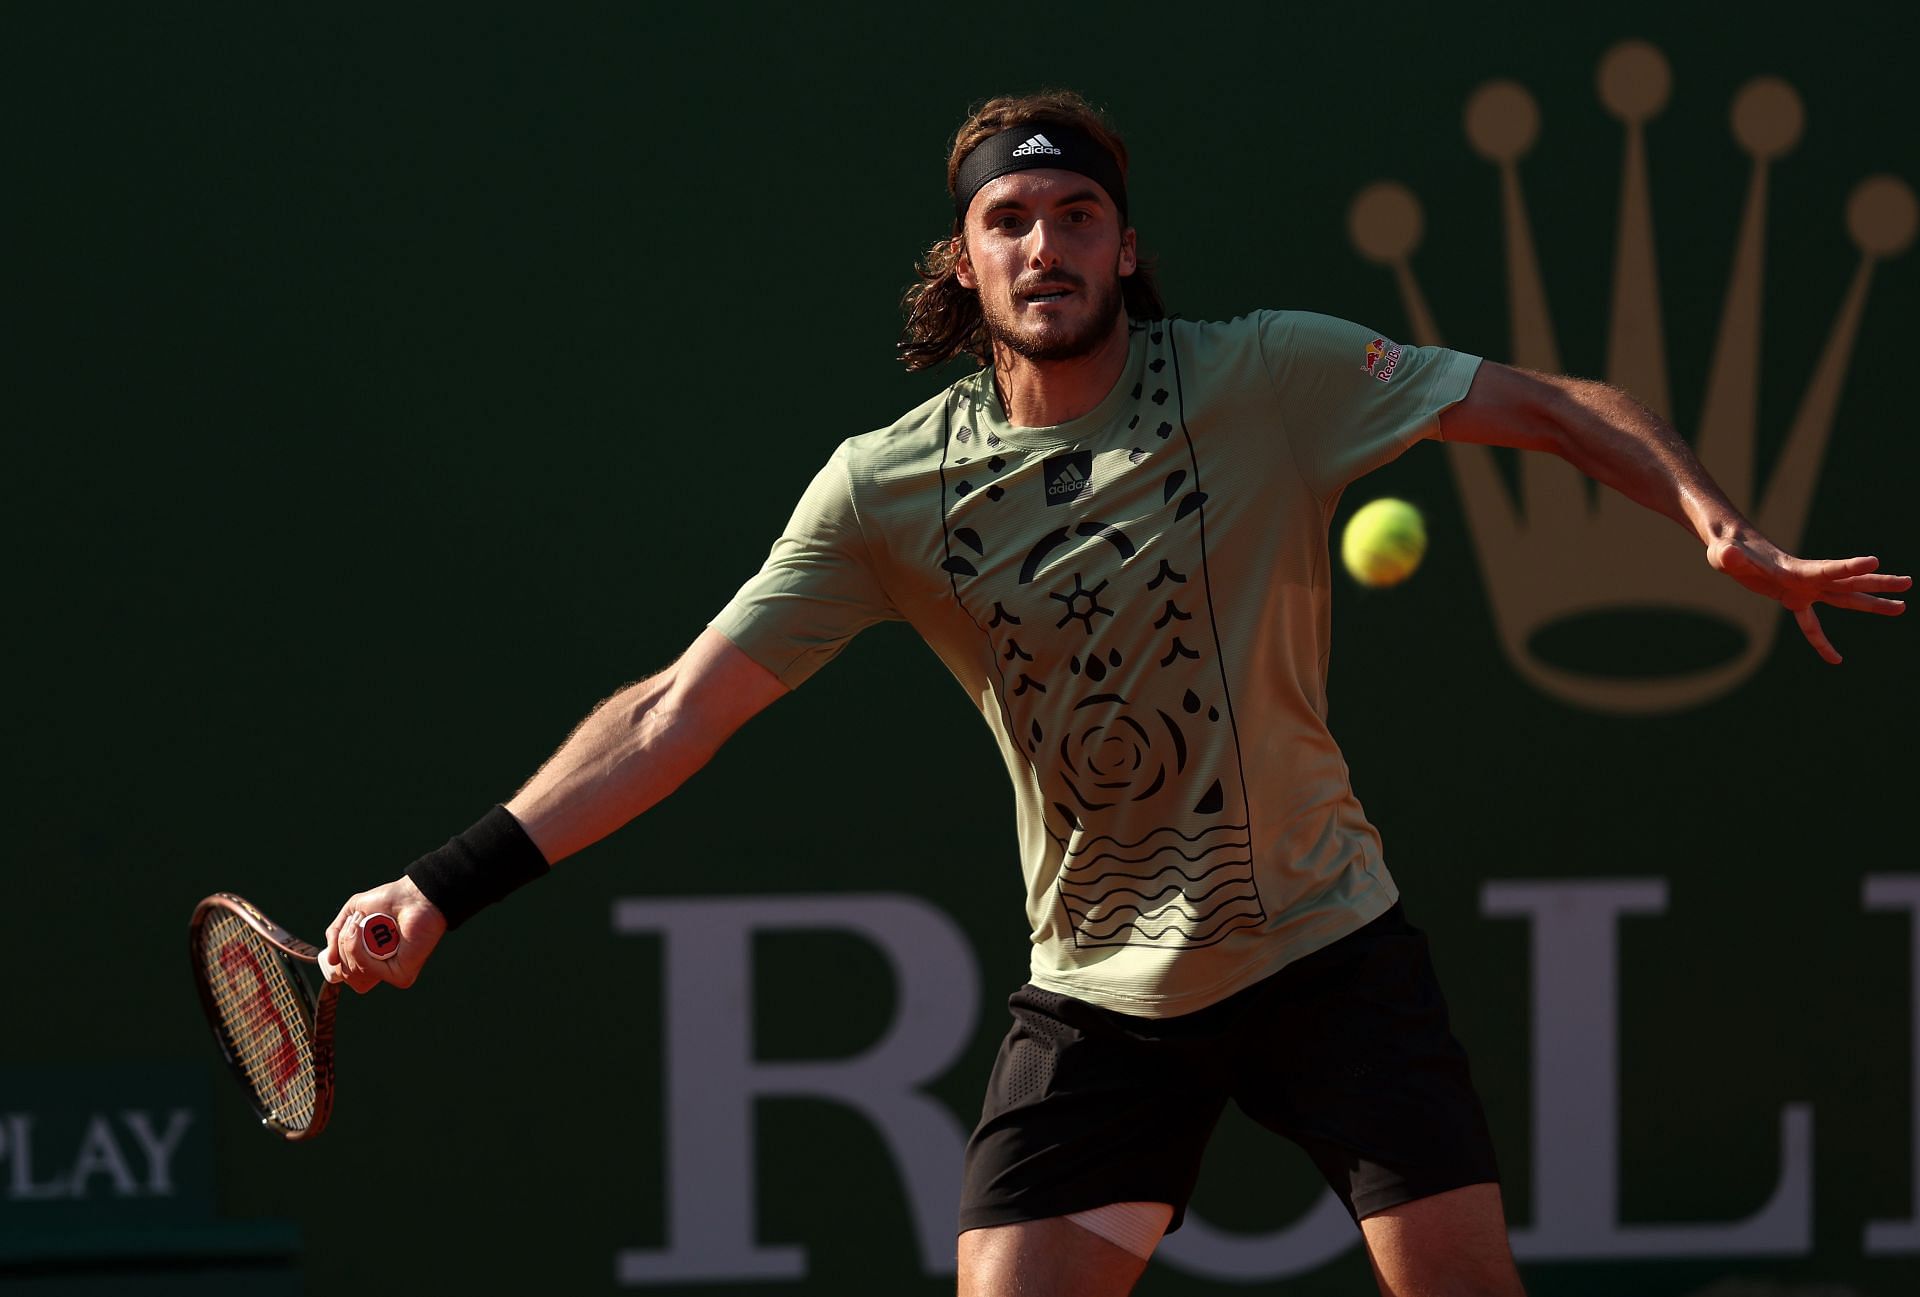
1005	153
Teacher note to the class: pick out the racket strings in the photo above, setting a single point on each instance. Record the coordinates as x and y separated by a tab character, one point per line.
265	1018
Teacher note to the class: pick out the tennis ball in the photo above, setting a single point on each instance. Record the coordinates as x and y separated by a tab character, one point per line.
1384	542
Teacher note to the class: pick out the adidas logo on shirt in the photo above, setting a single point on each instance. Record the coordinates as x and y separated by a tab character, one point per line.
1068	475
1036	144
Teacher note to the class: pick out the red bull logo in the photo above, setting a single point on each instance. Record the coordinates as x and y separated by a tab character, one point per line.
1375	349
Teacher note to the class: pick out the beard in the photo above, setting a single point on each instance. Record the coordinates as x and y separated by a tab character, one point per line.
1049	339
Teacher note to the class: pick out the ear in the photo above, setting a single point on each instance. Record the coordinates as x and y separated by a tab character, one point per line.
963	265
1129	258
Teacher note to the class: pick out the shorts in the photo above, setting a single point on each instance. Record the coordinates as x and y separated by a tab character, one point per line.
1346	1052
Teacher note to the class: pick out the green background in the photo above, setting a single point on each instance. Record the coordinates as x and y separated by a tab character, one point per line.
389	384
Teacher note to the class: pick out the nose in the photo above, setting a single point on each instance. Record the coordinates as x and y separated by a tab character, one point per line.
1041	253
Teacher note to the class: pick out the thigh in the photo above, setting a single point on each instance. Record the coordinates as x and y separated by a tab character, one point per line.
1448	1243
1085	1108
1049	1258
1359	1066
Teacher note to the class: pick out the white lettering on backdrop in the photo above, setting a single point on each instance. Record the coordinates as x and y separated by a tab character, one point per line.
713	1082
1902	892
1576	1083
99	1161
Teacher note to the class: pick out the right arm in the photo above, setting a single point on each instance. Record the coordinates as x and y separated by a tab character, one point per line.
641	744
634	749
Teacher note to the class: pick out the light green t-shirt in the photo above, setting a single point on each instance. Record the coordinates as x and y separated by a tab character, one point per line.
1137	601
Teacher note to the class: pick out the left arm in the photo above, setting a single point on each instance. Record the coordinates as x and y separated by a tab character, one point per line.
1618	442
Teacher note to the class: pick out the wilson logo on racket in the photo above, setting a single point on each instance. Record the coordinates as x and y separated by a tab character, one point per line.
381	935
247	982
274	1029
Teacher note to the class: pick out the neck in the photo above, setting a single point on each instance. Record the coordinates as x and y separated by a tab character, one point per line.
1042	393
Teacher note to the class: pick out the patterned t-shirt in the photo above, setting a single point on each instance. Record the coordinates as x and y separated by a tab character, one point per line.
1138	603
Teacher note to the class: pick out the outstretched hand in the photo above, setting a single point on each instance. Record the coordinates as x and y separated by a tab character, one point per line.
1800	583
421	927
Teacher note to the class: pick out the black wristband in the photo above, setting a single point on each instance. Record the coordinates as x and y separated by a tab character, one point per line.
478	867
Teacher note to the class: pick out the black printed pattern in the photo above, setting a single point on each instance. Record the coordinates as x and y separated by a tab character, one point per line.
1138	759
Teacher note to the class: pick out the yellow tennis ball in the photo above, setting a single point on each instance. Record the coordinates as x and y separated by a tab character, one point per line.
1384	542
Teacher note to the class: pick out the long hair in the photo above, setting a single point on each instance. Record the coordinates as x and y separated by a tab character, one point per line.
943	318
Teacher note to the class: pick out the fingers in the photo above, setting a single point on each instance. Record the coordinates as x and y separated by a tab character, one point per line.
333	965
1770	564
1849	583
1875	582
1810	627
361	971
332	943
420	923
1866	603
1825	571
1855	584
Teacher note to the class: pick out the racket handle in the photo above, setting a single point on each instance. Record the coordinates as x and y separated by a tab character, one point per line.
379	936
379	939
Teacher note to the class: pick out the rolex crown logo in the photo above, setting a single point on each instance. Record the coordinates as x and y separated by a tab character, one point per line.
1565	555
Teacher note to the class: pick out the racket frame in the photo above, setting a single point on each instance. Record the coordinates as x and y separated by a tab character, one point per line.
317	1010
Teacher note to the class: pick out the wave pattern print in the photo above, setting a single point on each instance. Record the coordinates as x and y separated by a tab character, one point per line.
1088	577
1165	889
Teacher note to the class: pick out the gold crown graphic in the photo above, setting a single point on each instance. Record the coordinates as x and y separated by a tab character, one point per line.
1564	554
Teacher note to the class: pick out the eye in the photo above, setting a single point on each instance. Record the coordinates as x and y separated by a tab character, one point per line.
1079	216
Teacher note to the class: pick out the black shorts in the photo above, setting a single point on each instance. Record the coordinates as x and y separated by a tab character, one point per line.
1346	1052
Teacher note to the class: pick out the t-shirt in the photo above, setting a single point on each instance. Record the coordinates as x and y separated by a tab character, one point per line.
1138	603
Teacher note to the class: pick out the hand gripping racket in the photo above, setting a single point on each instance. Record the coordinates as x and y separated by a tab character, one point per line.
277	1035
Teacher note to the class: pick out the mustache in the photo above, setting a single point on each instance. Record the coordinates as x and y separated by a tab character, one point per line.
1042	283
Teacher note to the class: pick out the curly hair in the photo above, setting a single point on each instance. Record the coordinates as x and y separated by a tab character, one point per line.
943	318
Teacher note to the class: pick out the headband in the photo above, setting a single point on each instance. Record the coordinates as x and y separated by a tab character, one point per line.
1031	147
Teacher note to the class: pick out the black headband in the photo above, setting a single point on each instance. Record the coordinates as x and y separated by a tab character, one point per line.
1033	146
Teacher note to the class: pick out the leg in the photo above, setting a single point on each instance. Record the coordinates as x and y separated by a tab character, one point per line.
1045	1258
1451	1244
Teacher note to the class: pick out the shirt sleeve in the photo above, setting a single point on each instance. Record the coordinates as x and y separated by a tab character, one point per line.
817	589
1350	399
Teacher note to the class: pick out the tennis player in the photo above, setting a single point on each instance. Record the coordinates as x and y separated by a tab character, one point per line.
1114	534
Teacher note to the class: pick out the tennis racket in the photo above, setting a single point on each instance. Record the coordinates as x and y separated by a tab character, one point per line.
276	1033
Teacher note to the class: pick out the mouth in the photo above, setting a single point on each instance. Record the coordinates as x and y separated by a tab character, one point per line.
1046	293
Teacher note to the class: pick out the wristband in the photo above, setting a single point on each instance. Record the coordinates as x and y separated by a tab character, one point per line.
478	867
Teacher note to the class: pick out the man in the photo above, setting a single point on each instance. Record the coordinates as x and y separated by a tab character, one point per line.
1115	536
